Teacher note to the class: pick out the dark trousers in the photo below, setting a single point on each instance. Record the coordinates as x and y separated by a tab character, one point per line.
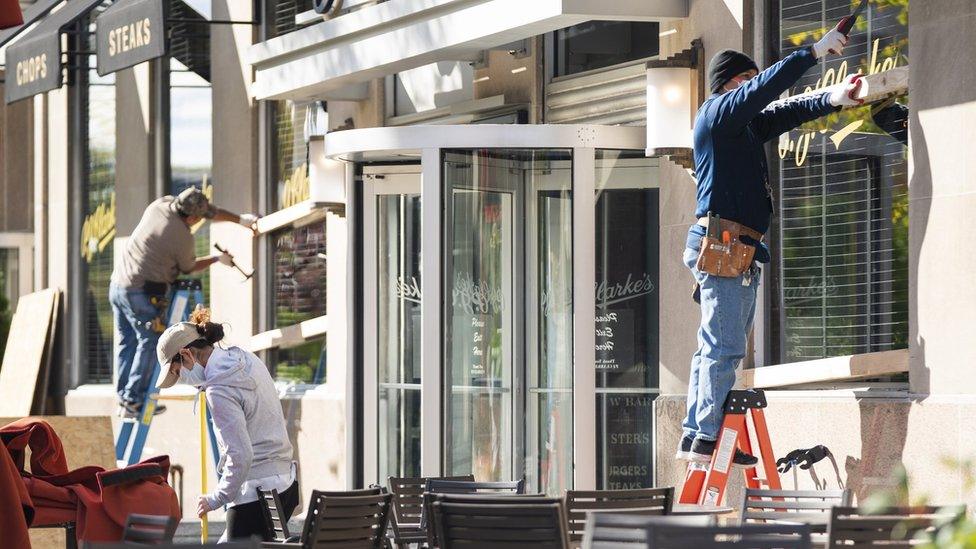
244	521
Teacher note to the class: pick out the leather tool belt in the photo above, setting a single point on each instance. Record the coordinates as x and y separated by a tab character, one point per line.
722	251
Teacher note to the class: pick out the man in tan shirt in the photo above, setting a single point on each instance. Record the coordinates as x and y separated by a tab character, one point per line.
160	249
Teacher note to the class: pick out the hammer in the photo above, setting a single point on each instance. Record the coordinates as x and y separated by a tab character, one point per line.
234	263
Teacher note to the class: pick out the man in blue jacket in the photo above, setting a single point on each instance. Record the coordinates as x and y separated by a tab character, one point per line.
733	182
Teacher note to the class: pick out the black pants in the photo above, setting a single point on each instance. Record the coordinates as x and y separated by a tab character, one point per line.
244	521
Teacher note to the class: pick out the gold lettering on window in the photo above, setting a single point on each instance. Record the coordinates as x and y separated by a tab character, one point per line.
98	230
296	187
800	146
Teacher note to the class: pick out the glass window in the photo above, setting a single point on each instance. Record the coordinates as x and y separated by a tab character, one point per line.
432	86
303	363
627	379
298	255
598	44
9	291
840	277
289	158
98	228
191	113
281	15
398	333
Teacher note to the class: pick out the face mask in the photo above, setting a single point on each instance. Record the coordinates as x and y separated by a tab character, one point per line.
195	376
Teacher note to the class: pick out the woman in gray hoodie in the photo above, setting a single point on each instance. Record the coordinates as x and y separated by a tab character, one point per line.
248	421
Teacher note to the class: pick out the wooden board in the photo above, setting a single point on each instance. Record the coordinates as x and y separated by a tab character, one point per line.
303	213
42	404
874	87
826	369
23	359
289	336
87	440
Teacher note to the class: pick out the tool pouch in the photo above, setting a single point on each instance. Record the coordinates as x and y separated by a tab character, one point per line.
718	259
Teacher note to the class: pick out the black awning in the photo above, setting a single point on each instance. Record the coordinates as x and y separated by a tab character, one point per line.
34	62
129	33
34	12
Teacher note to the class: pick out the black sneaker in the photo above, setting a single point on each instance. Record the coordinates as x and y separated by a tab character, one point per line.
684	449
134	410
701	450
743	460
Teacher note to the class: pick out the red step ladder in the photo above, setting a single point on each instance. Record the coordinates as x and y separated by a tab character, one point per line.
705	483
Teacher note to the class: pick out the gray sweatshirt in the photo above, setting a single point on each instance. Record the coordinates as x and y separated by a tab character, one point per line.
248	422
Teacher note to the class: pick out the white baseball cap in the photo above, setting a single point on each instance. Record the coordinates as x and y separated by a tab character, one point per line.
171	342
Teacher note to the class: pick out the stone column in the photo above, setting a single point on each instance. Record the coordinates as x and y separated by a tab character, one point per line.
235	167
16	171
134	153
942	197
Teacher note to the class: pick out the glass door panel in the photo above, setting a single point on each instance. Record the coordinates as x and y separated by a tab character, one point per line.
549	322
396	199
627	239
479	348
509	350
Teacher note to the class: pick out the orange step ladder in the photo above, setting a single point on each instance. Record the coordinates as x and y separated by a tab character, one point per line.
705	483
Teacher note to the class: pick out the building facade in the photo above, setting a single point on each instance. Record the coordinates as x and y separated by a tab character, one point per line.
475	212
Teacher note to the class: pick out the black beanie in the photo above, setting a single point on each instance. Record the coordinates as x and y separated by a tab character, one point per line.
725	65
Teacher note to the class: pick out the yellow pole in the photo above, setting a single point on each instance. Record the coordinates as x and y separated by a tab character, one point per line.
203	461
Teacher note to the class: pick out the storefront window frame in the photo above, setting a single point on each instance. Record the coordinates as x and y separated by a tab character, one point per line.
80	79
768	333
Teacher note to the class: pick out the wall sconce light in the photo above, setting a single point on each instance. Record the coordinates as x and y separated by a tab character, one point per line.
675	89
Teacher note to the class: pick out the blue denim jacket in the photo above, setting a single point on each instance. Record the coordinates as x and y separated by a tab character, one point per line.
730	130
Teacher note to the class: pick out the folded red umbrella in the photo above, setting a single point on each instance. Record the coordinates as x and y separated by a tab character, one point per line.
10	14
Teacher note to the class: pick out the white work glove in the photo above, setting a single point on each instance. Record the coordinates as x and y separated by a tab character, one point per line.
226	259
832	42
248	220
840	94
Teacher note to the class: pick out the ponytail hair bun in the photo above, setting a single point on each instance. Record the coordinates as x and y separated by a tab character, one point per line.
209	331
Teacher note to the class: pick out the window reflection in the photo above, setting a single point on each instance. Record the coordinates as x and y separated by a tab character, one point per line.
627	321
840	273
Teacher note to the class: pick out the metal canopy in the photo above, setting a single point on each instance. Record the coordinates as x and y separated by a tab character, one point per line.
326	58
34	62
34	12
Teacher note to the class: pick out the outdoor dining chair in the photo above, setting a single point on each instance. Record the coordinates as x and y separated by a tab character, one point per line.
278	528
437	486
353	522
275	526
251	544
744	536
149	529
609	530
761	506
644	501
493	522
890	527
408	503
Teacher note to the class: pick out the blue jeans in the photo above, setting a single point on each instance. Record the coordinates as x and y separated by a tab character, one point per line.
728	306
136	347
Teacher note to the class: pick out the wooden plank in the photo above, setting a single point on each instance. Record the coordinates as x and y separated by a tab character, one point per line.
41	400
303	213
826	369
874	87
27	343
87	440
289	336
878	86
